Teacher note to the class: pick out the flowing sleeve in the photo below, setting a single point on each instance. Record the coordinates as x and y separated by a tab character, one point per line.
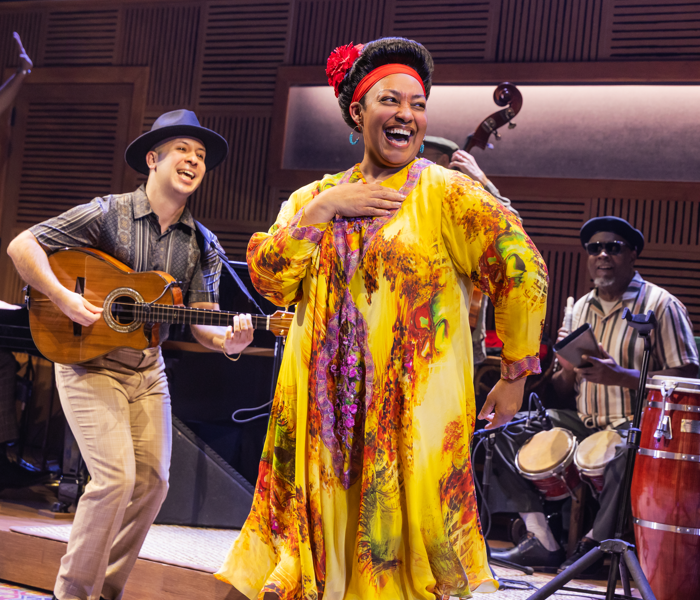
278	260
487	244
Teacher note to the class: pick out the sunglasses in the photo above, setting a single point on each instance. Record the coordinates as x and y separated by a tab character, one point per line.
611	248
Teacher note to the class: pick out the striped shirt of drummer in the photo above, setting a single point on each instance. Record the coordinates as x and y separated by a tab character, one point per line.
673	345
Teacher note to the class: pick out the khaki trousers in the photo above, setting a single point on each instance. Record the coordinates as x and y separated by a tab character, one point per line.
118	408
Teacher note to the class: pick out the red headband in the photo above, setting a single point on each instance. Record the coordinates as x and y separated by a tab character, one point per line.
372	77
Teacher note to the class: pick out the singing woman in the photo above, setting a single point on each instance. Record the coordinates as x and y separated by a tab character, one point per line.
365	486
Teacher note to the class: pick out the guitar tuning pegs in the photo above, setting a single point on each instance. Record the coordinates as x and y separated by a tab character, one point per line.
497	135
511	125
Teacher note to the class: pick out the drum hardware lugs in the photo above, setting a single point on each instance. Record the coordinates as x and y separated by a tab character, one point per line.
566	485
663	429
669	528
674	406
669	455
690	426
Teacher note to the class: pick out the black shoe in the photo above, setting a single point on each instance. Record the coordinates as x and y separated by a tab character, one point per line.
583	548
531	553
13	475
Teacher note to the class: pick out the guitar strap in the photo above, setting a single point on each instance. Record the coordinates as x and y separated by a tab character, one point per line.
205	241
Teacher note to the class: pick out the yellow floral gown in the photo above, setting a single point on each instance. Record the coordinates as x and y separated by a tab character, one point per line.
365	485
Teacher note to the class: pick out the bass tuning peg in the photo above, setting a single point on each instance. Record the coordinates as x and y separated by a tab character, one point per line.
497	135
511	125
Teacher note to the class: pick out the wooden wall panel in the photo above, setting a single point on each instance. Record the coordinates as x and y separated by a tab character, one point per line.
549	30
651	29
452	31
567	277
28	25
14	286
68	140
81	37
234	243
244	43
552	219
322	25
673	223
164	38
236	191
55	177
278	196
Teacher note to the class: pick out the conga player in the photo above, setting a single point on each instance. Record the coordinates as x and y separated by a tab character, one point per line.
605	391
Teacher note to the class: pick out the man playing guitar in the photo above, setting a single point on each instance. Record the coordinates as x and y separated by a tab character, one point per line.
118	405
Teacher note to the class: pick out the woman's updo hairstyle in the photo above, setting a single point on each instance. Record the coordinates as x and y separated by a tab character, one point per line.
380	52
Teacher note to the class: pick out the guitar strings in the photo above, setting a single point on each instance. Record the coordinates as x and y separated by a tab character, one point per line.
159	310
140	308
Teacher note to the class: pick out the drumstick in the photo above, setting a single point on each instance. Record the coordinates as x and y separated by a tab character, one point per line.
569	314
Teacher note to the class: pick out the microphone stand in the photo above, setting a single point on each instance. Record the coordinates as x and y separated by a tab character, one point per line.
490	435
618	548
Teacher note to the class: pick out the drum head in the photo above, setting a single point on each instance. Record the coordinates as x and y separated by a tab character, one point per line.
597	450
545	450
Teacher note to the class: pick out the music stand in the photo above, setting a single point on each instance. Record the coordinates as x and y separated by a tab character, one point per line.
616	547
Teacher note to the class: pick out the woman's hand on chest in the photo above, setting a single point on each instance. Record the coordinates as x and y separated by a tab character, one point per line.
352	200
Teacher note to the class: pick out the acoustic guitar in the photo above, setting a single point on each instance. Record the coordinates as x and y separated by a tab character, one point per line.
135	305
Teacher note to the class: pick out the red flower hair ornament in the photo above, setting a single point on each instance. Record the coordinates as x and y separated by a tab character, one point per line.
339	62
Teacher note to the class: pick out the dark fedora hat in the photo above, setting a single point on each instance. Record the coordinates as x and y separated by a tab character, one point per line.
176	123
442	144
615	225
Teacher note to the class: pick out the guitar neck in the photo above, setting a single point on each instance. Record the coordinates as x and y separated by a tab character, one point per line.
187	315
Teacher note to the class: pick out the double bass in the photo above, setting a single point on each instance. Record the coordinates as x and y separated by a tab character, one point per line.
506	94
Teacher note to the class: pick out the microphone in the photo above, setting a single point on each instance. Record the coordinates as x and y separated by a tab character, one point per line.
542	415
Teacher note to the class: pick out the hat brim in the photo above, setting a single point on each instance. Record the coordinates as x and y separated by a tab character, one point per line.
442	144
216	146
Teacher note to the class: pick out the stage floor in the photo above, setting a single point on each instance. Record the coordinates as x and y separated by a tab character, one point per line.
175	563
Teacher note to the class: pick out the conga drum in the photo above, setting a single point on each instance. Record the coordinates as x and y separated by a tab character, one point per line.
547	459
666	488
593	455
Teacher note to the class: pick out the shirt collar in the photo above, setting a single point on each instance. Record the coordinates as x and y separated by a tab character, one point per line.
142	208
629	295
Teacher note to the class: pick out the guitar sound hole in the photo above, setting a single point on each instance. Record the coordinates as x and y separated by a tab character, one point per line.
122	310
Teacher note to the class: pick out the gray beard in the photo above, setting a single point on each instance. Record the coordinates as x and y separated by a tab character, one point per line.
604	282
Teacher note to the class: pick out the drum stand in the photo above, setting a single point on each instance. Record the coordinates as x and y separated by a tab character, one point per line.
617	548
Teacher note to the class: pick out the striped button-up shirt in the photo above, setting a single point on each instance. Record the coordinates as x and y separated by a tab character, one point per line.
125	226
673	345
